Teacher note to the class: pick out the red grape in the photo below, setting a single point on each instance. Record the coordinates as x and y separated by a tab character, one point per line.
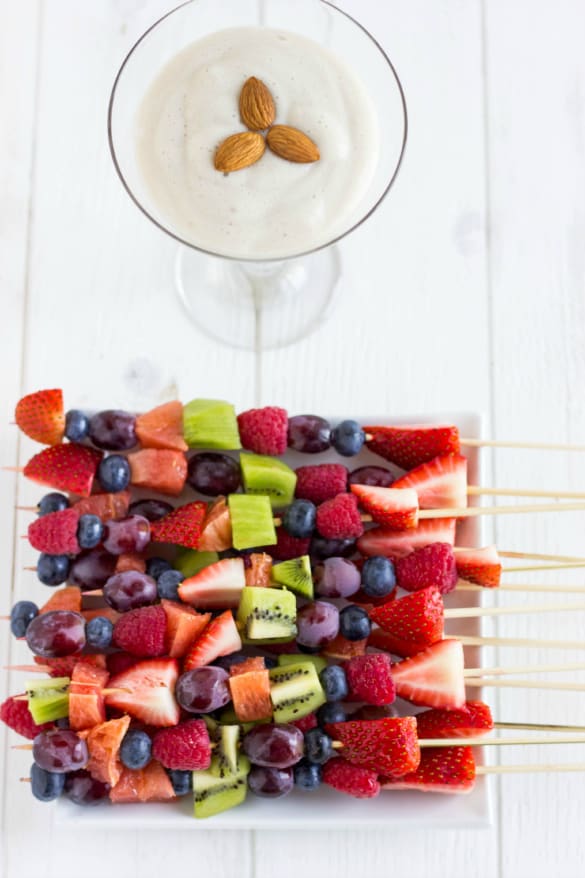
83	789
126	535
309	434
274	745
203	689
270	783
151	509
317	624
60	750
56	634
376	476
113	430
212	474
92	569
337	578
129	590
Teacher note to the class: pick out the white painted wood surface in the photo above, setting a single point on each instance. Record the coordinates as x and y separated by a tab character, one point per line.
470	282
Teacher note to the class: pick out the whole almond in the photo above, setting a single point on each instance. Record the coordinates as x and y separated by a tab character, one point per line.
257	109
291	144
239	151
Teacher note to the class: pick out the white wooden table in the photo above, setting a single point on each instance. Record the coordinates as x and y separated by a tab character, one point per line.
471	282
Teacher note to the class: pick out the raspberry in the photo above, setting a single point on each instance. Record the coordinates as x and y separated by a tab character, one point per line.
17	717
306	723
352	779
142	632
55	533
184	747
321	482
339	518
370	678
431	565
264	430
288	547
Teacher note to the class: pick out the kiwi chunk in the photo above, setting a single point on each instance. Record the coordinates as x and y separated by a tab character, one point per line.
228	738
294	574
210	423
217	789
267	615
266	475
295	691
189	561
48	700
252	521
318	661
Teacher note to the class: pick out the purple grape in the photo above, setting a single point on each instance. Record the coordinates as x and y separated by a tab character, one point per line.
274	745
130	534
92	569
336	578
60	750
317	624
83	789
56	633
212	474
309	434
203	689
322	548
151	509
270	783
376	476
113	430
130	590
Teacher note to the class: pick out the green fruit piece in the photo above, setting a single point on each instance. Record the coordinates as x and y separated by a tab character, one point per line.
252	521
317	660
229	737
295	691
217	789
294	574
267	615
212	726
228	716
189	562
210	423
48	700
267	475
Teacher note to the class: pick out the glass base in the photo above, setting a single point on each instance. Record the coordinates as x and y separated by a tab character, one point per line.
258	306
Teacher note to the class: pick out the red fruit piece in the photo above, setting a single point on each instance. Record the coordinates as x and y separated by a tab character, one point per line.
150	686
250	690
142	632
409	446
218	586
184	625
321	482
351	779
431	565
288	547
434	677
105	506
340	648
264	430
103	743
481	566
306	723
67	467
150	784
86	702
181	527
253	663
162	427
473	719
131	561
55	533
63	666
158	469
370	679
397	544
411	623
257	569
440	483
120	661
186	747
66	598
441	770
16	715
339	518
392	508
387	746
216	535
40	415
219	638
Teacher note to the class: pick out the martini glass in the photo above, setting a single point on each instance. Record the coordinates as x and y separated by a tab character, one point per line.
257	304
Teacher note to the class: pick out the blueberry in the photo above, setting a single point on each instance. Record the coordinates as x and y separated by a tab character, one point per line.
299	519
135	750
46	785
270	662
182	781
156	566
334	682
168	584
347	438
63	723
53	502
114	473
332	712
21	615
378	577
307	774
98	632
354	623
318	746
53	569
90	531
76	425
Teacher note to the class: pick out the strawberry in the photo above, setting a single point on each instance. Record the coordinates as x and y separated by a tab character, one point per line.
340	648
150	784
66	598
257	567
409	446
16	715
288	547
150	698
339	518
397	544
218	586
158	469
351	779
162	427
321	482
184	625
411	623
40	415
441	770
186	747
55	533
219	638
440	483
474	718
264	430
434	677
105	506
430	565
182	526
370	678
67	467
103	742
481	566
142	632
387	746
306	723
120	661
392	508
216	535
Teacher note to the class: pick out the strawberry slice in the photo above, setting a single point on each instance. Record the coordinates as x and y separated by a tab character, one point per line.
184	625
218	586
181	527
158	469
409	446
434	677
441	770
162	427
41	416
216	535
388	746
392	508
219	638
150	686
397	544
105	506
411	623
440	483
481	566
55	533
472	720
67	467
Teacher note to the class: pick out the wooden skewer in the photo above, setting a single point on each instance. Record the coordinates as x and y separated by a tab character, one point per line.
474	612
500	742
538	556
474	511
505	443
525	568
21	747
529	769
553	589
524	684
42	669
538	727
524	669
478	491
525	642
